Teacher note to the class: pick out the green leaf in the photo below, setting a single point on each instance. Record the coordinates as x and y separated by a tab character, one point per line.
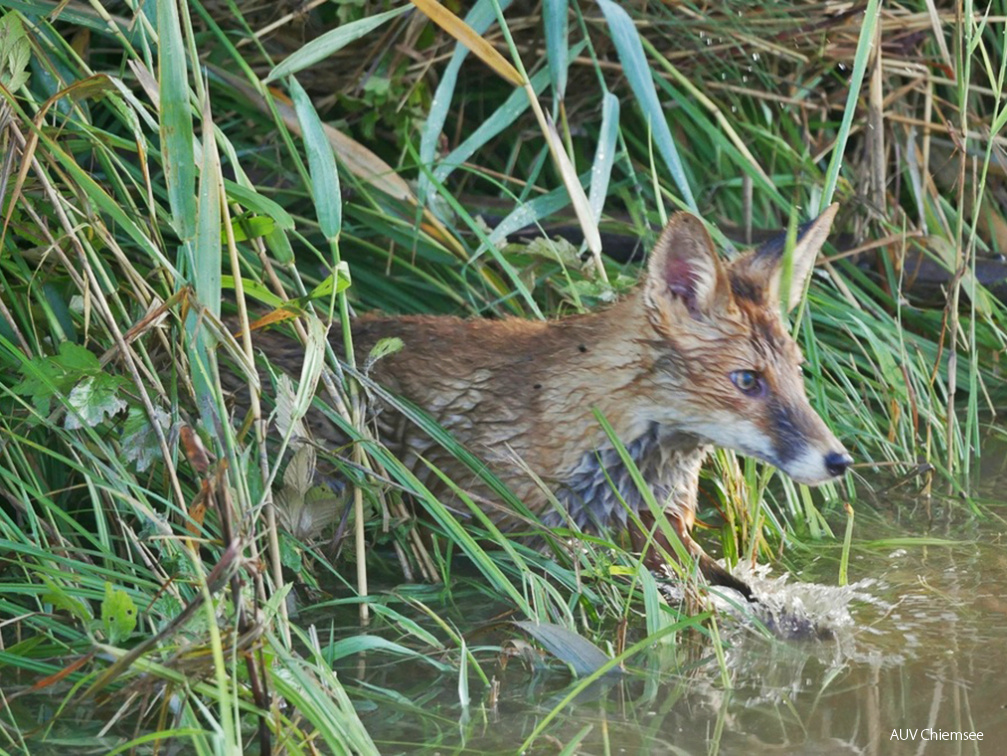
290	554
118	615
555	15
75	359
864	46
45	377
139	443
255	290
15	52
330	42
334	283
504	117
581	654
249	198
604	155
250	227
61	600
479	18
93	399
383	348
176	122
321	164
639	75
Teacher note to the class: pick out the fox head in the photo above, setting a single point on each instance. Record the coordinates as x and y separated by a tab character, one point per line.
725	355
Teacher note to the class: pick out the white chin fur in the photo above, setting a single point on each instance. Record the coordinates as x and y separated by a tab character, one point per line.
809	468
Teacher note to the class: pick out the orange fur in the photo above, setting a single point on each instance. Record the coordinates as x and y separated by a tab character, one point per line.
666	366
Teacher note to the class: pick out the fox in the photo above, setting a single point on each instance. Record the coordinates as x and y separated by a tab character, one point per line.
696	356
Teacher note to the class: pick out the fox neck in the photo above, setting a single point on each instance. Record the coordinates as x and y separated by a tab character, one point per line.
601	492
607	363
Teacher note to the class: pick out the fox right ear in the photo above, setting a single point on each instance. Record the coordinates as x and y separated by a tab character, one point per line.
684	268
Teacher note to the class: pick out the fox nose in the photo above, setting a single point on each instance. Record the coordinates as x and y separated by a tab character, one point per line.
837	463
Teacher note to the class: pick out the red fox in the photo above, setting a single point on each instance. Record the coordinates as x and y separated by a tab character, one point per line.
696	356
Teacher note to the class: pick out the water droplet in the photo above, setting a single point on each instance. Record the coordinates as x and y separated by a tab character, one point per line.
755	56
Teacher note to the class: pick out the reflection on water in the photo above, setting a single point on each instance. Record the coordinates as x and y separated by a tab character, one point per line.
919	654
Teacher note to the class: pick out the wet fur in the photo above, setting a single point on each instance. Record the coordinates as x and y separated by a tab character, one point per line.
522	394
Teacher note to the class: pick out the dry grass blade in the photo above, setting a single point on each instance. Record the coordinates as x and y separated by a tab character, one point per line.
571	181
465	34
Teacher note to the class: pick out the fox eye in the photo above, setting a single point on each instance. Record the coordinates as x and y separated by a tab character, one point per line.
748	381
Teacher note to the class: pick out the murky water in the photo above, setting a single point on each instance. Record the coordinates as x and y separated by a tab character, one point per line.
918	664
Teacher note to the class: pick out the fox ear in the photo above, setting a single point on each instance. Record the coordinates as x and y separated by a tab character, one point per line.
684	267
767	261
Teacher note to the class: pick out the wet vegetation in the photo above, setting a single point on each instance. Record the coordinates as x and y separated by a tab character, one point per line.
179	573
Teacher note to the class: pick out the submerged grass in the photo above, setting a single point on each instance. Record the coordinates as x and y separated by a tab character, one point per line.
163	163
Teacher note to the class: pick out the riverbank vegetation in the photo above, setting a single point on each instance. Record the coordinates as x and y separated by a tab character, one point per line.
173	571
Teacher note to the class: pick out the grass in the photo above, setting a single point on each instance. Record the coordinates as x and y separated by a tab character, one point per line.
158	169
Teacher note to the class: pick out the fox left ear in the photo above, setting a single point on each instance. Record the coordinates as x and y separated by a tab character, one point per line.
768	259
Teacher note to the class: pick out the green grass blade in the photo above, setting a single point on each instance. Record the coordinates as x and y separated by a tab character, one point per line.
176	121
638	72
864	46
604	155
555	15
331	42
321	164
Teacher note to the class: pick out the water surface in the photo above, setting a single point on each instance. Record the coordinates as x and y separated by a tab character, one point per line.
919	654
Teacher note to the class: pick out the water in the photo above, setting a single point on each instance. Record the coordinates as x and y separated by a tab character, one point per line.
919	648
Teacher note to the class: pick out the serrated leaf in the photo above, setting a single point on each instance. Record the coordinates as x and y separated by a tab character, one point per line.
558	250
300	472
15	51
61	600
290	554
304	509
290	407
74	358
139	443
44	377
288	420
94	398
17	81
118	615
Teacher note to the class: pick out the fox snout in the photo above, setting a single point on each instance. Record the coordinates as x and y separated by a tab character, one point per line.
817	458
